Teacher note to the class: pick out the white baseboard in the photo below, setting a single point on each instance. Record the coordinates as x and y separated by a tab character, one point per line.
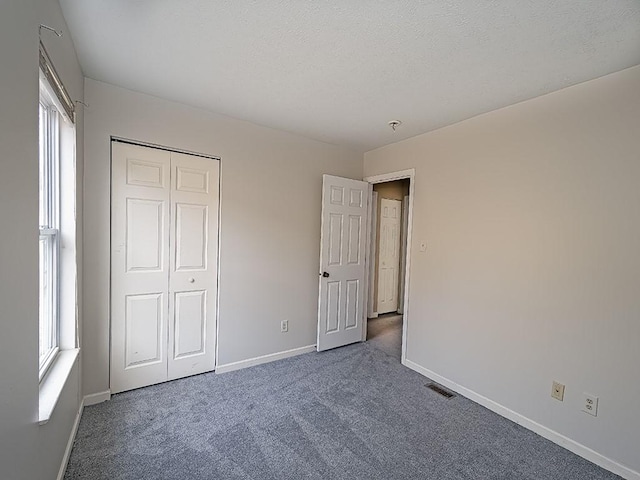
373	315
72	438
555	437
230	367
95	398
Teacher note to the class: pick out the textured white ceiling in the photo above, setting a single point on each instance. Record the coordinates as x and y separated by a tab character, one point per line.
339	70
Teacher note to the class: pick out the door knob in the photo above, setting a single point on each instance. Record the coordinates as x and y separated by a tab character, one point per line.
325	274
192	280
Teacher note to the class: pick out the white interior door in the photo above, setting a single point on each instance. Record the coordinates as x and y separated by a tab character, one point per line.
139	265
194	269
164	242
389	255
342	262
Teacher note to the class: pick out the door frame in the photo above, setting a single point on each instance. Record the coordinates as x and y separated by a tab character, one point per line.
383	178
372	226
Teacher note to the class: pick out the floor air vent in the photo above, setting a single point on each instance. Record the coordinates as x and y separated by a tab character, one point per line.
438	389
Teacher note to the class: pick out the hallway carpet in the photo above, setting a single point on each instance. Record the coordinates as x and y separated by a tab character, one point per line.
350	413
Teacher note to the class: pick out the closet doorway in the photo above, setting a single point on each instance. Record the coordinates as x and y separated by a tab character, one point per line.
164	264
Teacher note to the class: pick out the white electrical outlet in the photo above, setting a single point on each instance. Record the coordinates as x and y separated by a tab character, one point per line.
423	246
284	326
557	391
590	404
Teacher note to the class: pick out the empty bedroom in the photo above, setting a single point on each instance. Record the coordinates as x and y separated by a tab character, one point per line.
319	240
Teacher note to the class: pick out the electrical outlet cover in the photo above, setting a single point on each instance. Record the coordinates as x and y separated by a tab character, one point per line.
590	404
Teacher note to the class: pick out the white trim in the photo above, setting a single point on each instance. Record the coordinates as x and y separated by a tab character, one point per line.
72	438
53	383
251	362
96	398
373	220
367	279
88	400
557	438
52	97
218	258
389	177
403	248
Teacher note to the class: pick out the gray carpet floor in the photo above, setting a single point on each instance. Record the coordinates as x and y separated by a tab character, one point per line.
350	413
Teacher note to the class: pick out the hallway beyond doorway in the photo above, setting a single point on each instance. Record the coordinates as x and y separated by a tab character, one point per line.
386	332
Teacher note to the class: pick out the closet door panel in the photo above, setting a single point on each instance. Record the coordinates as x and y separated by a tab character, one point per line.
140	208
193	281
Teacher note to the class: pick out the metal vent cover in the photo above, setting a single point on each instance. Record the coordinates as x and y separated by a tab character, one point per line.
440	390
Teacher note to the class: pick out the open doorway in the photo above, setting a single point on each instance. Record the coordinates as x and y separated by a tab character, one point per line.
388	255
347	275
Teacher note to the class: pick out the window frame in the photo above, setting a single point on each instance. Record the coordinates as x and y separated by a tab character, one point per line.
49	227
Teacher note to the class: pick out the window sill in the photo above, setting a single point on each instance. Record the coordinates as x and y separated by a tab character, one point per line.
53	383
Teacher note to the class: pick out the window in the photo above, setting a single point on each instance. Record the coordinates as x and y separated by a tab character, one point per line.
58	342
49	219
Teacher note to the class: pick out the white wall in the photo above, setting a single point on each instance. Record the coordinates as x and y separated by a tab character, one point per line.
29	451
532	270
270	221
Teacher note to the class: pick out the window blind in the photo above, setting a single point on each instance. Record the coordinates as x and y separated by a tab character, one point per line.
54	80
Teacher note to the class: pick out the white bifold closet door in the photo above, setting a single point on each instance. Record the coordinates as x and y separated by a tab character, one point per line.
164	250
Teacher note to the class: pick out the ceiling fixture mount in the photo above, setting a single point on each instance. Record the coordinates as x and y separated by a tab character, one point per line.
394	124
